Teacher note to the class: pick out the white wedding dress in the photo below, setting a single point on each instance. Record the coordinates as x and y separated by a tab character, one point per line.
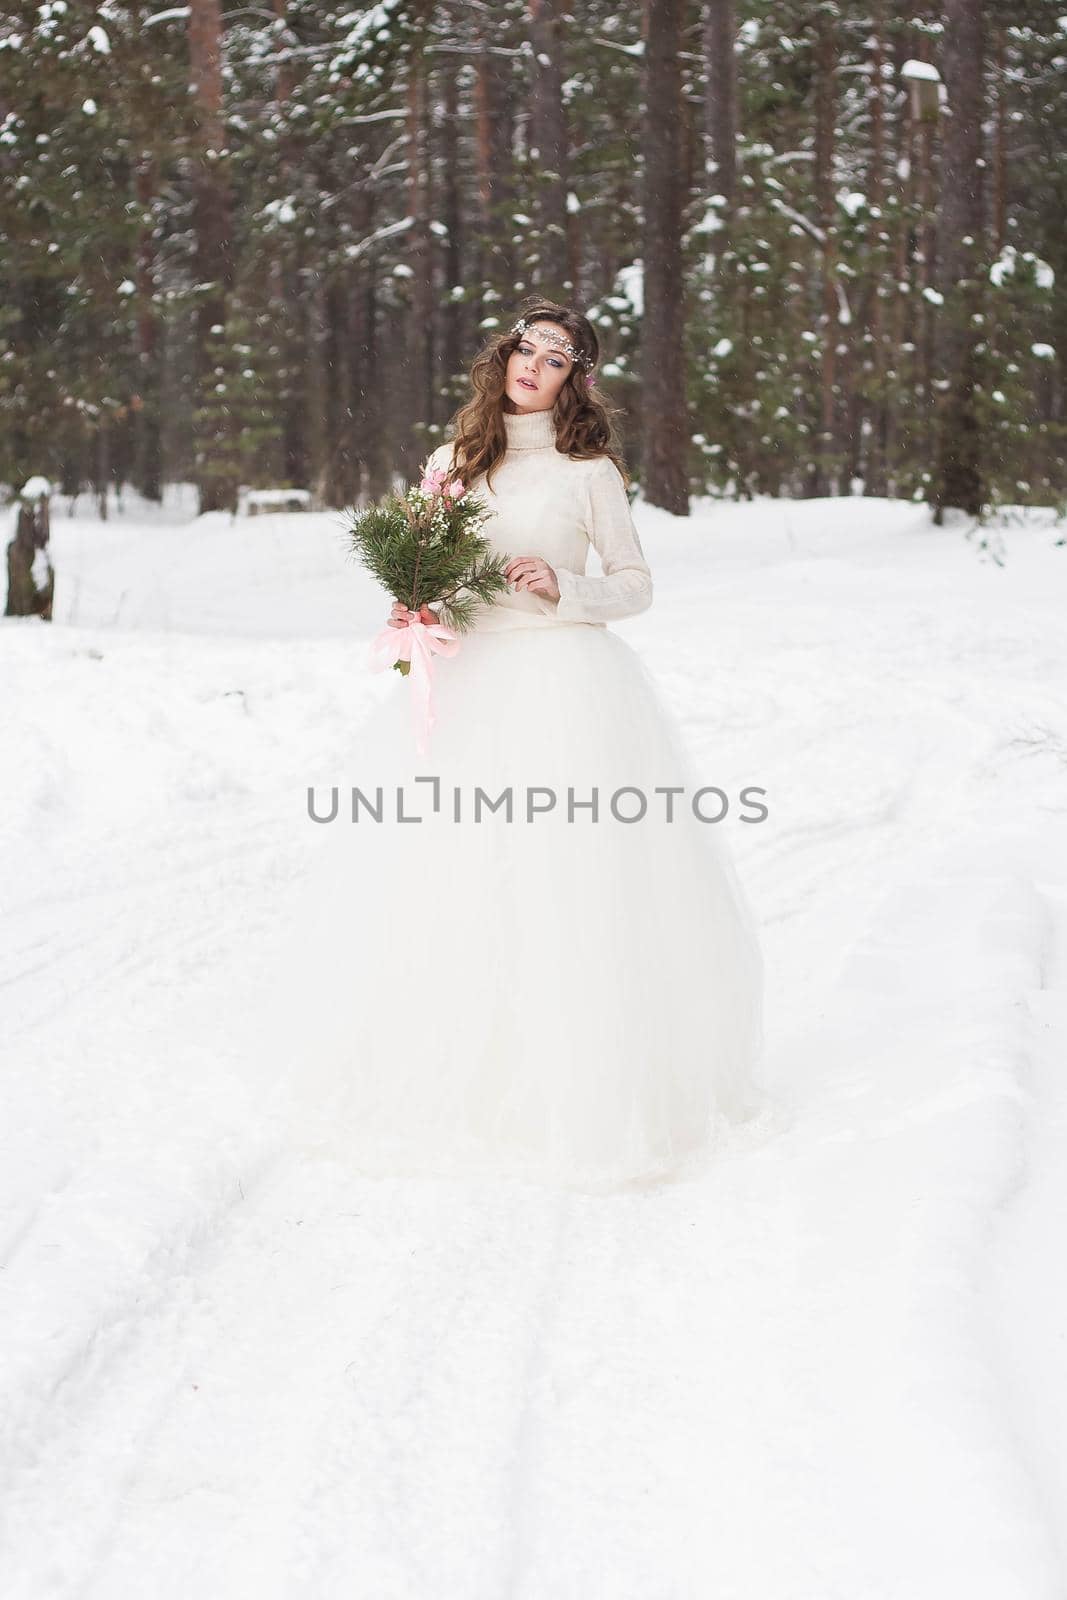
575	1002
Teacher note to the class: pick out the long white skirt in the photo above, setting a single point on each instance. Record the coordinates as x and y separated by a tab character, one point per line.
550	998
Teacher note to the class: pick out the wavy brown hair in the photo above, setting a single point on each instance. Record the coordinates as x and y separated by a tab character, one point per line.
584	423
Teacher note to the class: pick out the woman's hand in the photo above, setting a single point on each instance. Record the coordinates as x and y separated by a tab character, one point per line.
400	616
533	575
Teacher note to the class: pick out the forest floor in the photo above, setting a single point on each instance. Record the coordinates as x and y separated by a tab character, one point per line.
831	1369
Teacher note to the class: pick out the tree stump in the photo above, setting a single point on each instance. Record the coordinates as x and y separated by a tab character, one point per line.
30	575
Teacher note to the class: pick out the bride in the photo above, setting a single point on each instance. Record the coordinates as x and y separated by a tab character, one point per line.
527	953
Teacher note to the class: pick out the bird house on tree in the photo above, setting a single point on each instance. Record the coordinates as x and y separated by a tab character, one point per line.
924	89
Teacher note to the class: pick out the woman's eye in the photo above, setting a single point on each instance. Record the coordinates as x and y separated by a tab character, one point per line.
525	350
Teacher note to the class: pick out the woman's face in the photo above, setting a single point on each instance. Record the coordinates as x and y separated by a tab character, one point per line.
536	369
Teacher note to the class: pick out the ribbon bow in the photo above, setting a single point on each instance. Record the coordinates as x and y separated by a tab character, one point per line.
418	643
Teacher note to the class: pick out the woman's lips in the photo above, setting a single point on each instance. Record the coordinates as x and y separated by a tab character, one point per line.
526	384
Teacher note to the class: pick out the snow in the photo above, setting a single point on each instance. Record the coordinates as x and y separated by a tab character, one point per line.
630	283
281	210
36	487
275	498
174	14
831	1369
40	567
1004	267
920	69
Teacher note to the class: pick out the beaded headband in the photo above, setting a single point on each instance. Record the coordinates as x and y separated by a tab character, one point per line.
556	340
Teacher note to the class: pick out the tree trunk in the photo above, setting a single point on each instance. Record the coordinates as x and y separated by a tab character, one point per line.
30	577
549	155
823	462
873	455
900	365
102	463
336	477
960	479
451	343
211	208
148	453
366	401
720	106
497	266
416	391
664	418
285	295
1000	151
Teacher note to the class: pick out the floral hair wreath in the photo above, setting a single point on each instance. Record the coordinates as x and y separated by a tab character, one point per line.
560	343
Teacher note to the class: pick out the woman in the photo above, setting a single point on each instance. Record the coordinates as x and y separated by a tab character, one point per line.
561	987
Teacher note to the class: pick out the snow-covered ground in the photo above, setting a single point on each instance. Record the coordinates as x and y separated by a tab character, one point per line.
832	1370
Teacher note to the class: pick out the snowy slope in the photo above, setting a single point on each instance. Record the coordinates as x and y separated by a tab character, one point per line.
833	1370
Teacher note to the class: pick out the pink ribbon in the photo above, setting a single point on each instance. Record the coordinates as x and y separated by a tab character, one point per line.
418	643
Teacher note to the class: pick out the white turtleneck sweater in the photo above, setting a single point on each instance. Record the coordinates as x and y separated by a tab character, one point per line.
545	504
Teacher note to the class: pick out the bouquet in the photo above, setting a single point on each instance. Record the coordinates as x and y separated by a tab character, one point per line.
425	548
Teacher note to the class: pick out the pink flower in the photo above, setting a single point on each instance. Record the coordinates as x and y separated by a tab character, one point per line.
435	483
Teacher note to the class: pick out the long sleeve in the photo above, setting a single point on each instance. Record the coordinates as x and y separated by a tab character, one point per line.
626	587
439	457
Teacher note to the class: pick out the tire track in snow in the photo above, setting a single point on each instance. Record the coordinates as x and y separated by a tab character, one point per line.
357	1348
51	1370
